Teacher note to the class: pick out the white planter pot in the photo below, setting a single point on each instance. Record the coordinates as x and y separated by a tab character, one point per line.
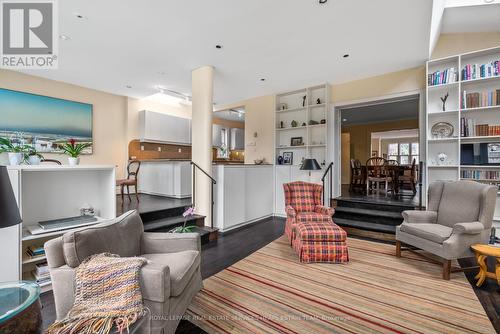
15	159
73	161
34	160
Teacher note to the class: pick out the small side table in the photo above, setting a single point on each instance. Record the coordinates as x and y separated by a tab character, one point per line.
20	308
482	252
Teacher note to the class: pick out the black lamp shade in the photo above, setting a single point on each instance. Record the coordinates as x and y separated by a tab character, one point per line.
9	212
310	164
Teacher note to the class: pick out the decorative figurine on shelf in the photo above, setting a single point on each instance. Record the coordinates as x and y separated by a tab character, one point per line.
443	99
294	124
313	122
442	158
283	106
280	160
318	101
323	121
282	125
304	124
304	100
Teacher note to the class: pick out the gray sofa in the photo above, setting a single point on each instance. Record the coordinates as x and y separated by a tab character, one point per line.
169	280
459	214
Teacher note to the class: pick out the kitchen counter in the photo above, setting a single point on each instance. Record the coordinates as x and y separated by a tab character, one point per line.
165	177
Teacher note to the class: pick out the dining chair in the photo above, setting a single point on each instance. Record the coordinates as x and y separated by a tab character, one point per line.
410	177
392	162
357	175
377	172
131	180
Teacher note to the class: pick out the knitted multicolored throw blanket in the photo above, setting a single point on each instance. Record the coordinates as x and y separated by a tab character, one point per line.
107	293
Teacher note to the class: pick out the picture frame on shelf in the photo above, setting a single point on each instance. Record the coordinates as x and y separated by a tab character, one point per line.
287	158
296	141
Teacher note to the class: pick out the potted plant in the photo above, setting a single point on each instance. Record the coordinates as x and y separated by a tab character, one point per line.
185	229
33	156
16	151
74	150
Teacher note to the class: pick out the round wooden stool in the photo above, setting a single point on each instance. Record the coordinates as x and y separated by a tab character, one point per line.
482	252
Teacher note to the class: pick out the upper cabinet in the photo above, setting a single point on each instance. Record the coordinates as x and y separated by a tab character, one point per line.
237	139
157	127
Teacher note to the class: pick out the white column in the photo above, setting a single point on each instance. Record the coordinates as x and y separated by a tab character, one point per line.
201	137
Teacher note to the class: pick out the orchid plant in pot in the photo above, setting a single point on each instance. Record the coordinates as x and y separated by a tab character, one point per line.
74	150
16	151
33	157
185	229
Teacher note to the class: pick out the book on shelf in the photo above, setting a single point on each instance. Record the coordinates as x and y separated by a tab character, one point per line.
480	174
41	279
469	128
42	269
480	99
448	75
478	71
35	251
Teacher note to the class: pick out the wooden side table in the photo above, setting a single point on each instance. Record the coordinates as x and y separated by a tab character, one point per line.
482	252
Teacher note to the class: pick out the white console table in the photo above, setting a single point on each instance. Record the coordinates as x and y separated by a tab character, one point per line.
52	192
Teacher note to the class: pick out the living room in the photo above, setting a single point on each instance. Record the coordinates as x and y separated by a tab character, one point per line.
195	155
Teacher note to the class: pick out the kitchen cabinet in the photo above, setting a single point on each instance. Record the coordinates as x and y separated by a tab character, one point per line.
158	127
237	139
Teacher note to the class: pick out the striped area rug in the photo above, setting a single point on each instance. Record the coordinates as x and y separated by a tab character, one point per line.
270	291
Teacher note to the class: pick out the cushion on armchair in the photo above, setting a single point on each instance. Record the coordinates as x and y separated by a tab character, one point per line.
416	216
121	236
432	232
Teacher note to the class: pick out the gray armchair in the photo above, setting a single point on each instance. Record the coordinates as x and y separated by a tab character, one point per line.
459	214
169	280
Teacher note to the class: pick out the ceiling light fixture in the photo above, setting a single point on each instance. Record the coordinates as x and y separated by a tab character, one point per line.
168	96
64	37
128	86
218	46
263	79
321	2
346	55
80	16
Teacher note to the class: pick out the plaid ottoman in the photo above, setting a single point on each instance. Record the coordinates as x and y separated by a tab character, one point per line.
320	242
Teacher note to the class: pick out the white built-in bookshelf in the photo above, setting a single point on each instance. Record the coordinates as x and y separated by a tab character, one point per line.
472	82
310	115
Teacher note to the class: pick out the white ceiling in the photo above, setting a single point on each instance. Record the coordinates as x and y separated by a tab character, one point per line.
290	43
235	115
479	18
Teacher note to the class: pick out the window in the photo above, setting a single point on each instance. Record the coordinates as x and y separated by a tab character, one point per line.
403	152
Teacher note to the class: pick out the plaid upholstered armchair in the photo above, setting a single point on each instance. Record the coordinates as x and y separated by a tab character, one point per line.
303	204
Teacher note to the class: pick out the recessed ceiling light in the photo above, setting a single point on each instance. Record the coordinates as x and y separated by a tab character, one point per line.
218	46
263	79
64	37
322	1
346	55
128	86
161	73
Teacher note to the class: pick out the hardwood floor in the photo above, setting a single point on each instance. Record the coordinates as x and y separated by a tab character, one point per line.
234	246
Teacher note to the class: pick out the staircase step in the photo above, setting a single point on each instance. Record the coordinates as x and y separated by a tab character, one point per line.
370	212
166	224
365	225
162	214
353	203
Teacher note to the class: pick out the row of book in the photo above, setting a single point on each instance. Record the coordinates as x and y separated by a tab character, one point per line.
477	71
449	75
41	273
35	251
480	99
480	174
469	128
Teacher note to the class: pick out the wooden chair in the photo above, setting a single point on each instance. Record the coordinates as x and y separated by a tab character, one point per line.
393	162
410	177
357	175
131	180
51	161
376	172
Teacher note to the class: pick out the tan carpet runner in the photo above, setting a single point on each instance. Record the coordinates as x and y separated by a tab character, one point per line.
270	291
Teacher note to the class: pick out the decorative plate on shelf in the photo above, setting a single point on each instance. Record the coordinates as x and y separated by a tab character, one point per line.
442	130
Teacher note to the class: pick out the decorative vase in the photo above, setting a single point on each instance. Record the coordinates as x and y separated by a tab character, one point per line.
15	159
34	160
73	161
442	158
